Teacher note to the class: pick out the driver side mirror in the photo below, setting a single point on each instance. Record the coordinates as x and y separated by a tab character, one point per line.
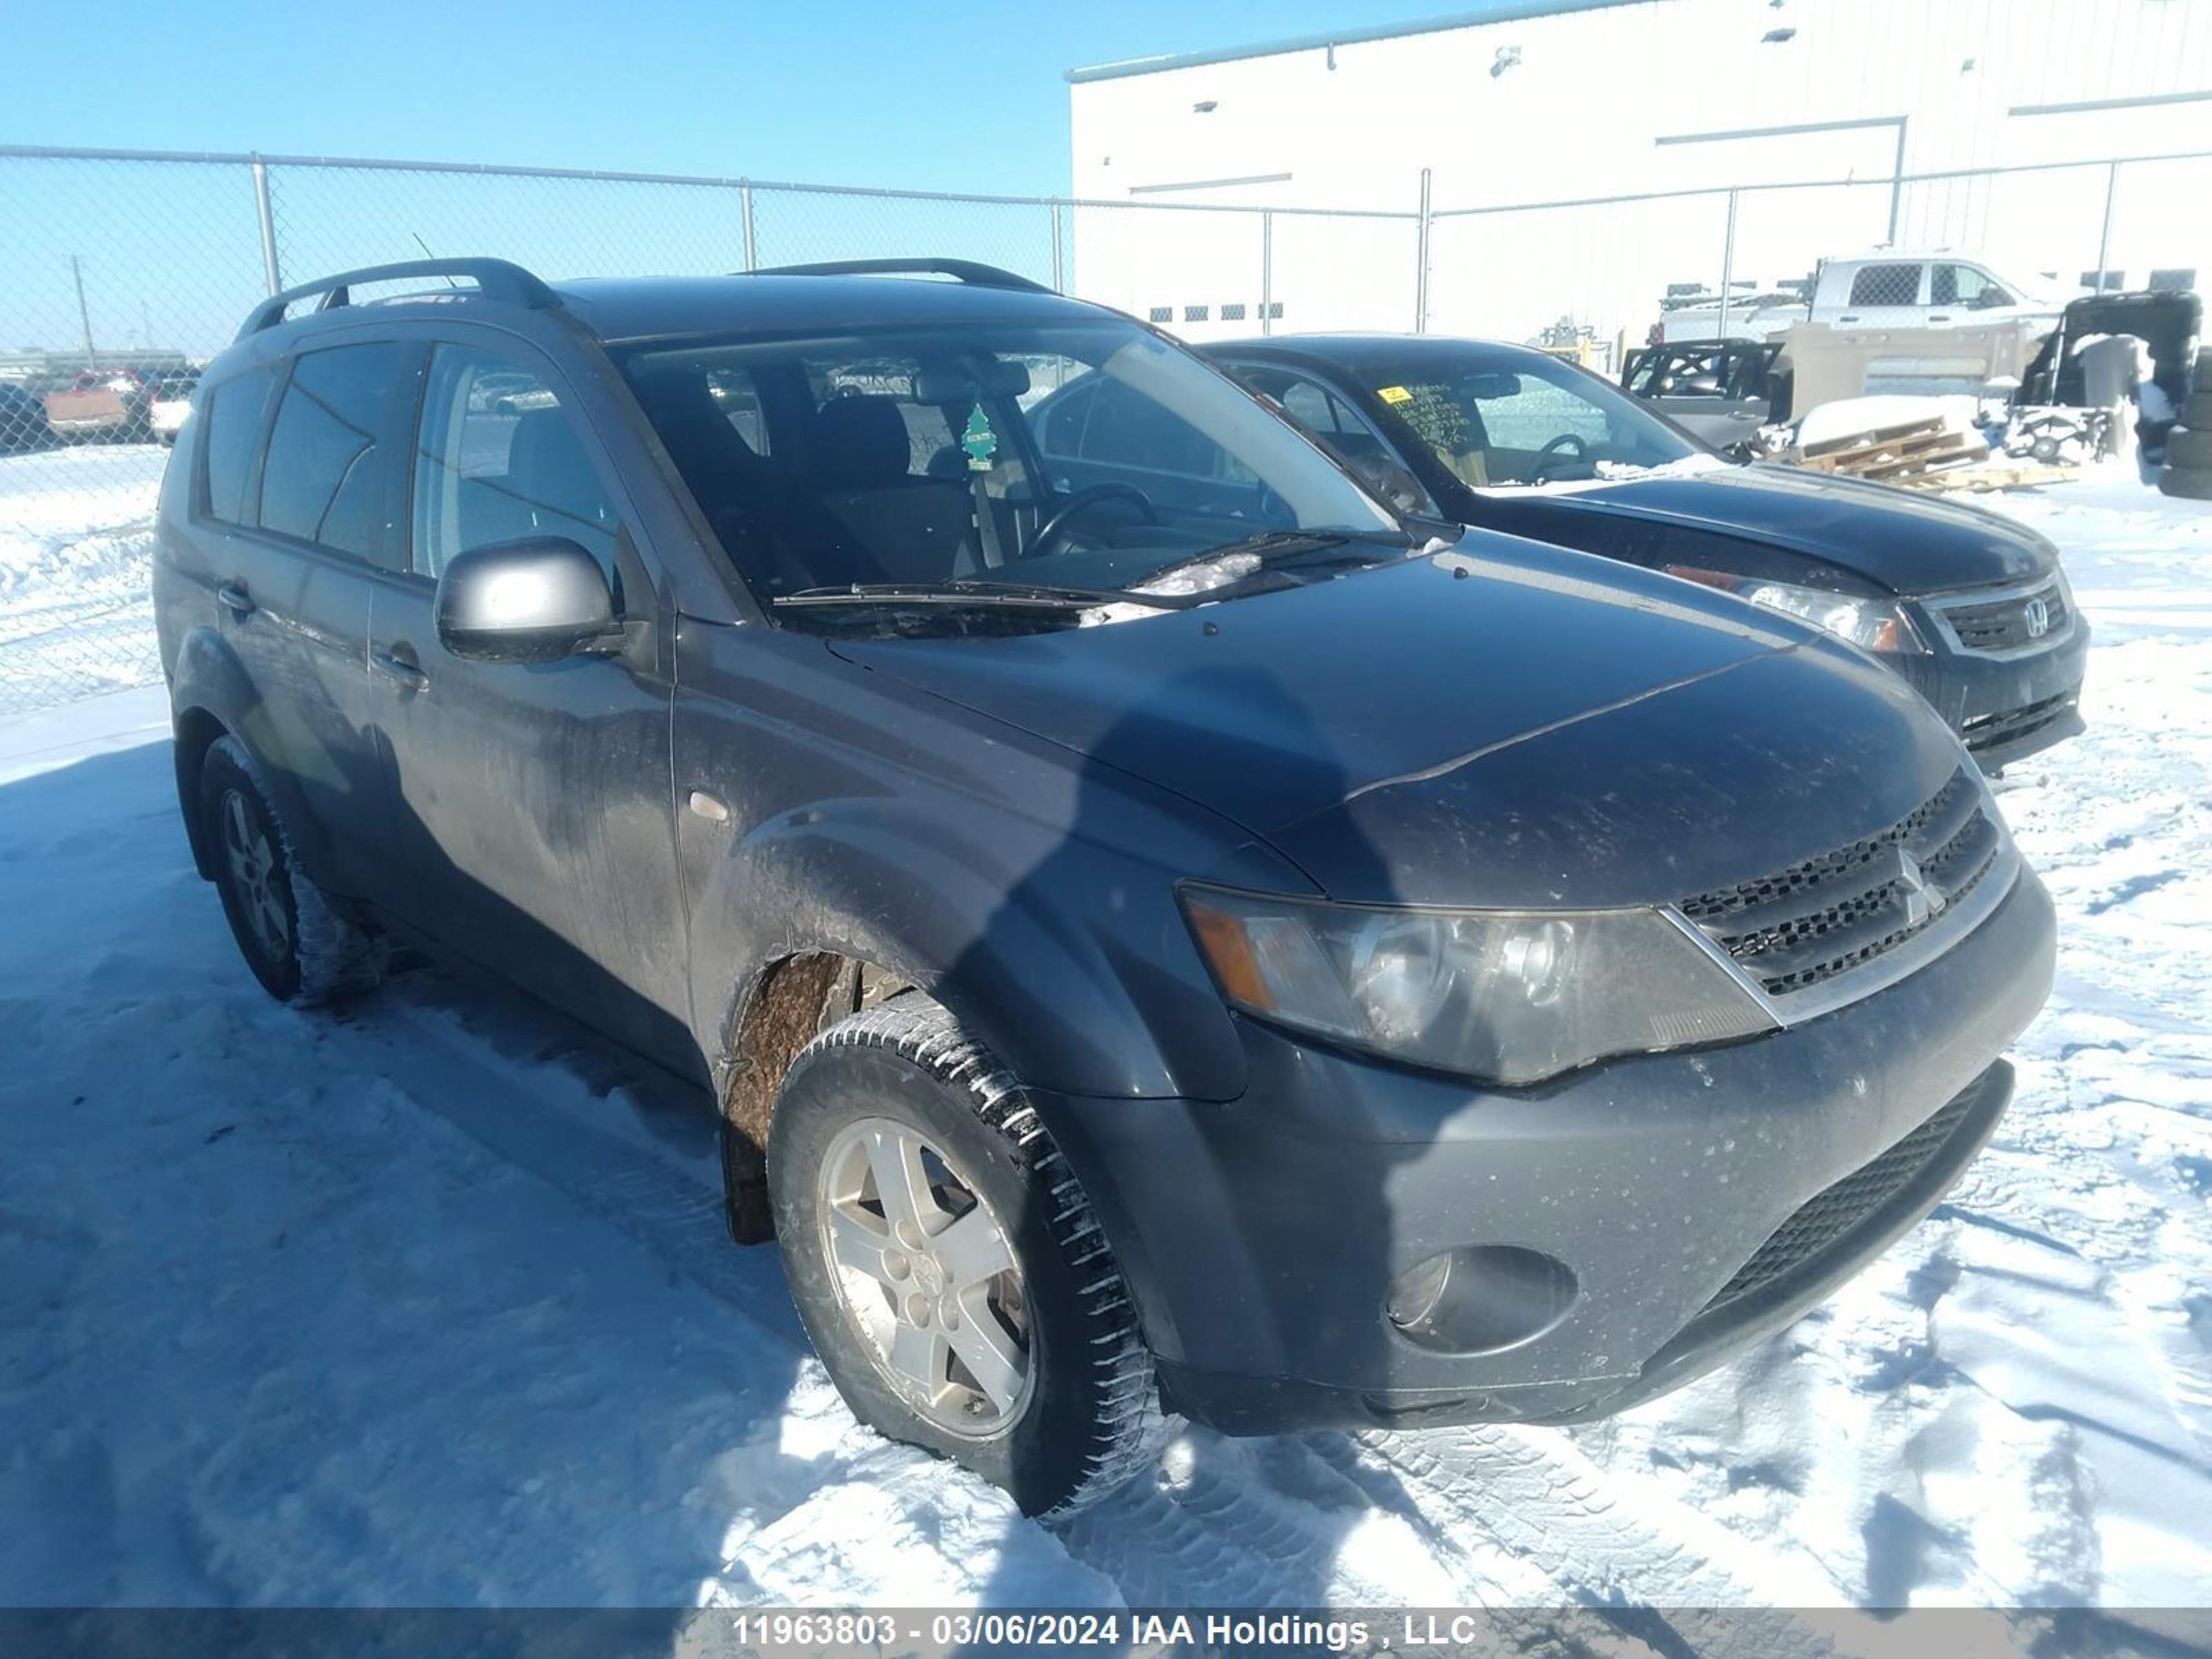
536	599
1991	298
1392	483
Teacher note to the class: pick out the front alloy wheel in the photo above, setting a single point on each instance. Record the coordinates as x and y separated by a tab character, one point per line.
947	1265
926	1275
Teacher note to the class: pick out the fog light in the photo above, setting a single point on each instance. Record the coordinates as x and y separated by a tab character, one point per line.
1480	1298
1416	1290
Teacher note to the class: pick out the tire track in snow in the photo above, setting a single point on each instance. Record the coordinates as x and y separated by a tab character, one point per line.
1482	1516
1595	1537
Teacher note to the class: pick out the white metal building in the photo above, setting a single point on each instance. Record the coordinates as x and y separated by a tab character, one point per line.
1574	100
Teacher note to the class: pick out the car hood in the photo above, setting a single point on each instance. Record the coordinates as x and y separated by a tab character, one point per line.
1368	728
1899	539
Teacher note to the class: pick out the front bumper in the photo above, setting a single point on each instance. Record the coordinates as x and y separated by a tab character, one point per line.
1260	1237
2004	708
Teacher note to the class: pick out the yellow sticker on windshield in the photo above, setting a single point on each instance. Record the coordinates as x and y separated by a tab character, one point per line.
1395	394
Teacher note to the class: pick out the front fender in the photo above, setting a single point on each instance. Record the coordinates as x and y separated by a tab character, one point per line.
1067	957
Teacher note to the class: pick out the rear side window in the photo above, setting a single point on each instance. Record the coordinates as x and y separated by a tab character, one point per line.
231	433
323	481
1886	285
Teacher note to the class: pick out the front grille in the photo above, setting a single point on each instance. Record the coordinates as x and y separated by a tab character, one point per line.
1800	927
2018	622
1834	1211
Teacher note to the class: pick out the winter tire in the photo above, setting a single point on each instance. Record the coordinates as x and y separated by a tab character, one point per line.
2187	483
299	948
2189	449
947	1265
2197	411
2203	379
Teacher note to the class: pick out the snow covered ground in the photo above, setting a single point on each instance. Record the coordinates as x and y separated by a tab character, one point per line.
76	532
428	1304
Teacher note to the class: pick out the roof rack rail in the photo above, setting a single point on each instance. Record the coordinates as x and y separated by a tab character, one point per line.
498	278
969	272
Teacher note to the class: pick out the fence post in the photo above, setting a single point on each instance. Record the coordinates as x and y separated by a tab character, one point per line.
1059	272
1727	263
1421	262
745	219
1897	184
270	268
2105	236
1266	270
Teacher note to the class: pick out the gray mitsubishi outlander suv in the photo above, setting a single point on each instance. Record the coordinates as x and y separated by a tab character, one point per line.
1162	933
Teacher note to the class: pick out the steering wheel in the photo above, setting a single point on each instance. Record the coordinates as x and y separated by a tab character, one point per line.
1554	452
1083	499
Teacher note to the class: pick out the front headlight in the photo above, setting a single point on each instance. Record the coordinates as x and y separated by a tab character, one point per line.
1507	996
1871	624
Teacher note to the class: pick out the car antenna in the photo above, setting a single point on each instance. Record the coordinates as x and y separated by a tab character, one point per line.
425	246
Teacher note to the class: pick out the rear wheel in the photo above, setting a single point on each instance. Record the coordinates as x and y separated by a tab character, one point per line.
946	1265
298	947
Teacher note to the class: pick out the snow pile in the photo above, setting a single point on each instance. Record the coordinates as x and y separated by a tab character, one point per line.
72	518
77	546
430	1303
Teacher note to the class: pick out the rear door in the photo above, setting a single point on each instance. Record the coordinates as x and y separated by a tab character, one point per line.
533	802
292	515
1887	294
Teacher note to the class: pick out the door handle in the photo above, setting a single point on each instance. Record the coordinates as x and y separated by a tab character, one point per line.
1849	317
234	598
1940	316
400	664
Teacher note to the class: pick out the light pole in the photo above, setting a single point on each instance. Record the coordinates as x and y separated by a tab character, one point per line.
83	312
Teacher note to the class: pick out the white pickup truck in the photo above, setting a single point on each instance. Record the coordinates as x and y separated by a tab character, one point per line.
1888	288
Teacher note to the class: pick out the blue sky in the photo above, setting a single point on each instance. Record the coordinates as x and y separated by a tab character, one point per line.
956	94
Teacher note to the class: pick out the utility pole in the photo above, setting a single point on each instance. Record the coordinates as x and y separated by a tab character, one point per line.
83	312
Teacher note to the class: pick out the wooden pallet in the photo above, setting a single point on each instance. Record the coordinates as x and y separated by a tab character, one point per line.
1895	454
1838	454
1980	478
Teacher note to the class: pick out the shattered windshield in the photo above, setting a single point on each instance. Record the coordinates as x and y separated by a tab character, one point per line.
954	464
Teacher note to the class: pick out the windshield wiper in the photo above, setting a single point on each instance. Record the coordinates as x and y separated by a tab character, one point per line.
1013	595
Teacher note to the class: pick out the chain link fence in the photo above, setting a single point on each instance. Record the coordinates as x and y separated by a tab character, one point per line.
124	270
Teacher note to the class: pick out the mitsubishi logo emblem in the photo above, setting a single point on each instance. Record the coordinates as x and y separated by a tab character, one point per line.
2037	618
1923	901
